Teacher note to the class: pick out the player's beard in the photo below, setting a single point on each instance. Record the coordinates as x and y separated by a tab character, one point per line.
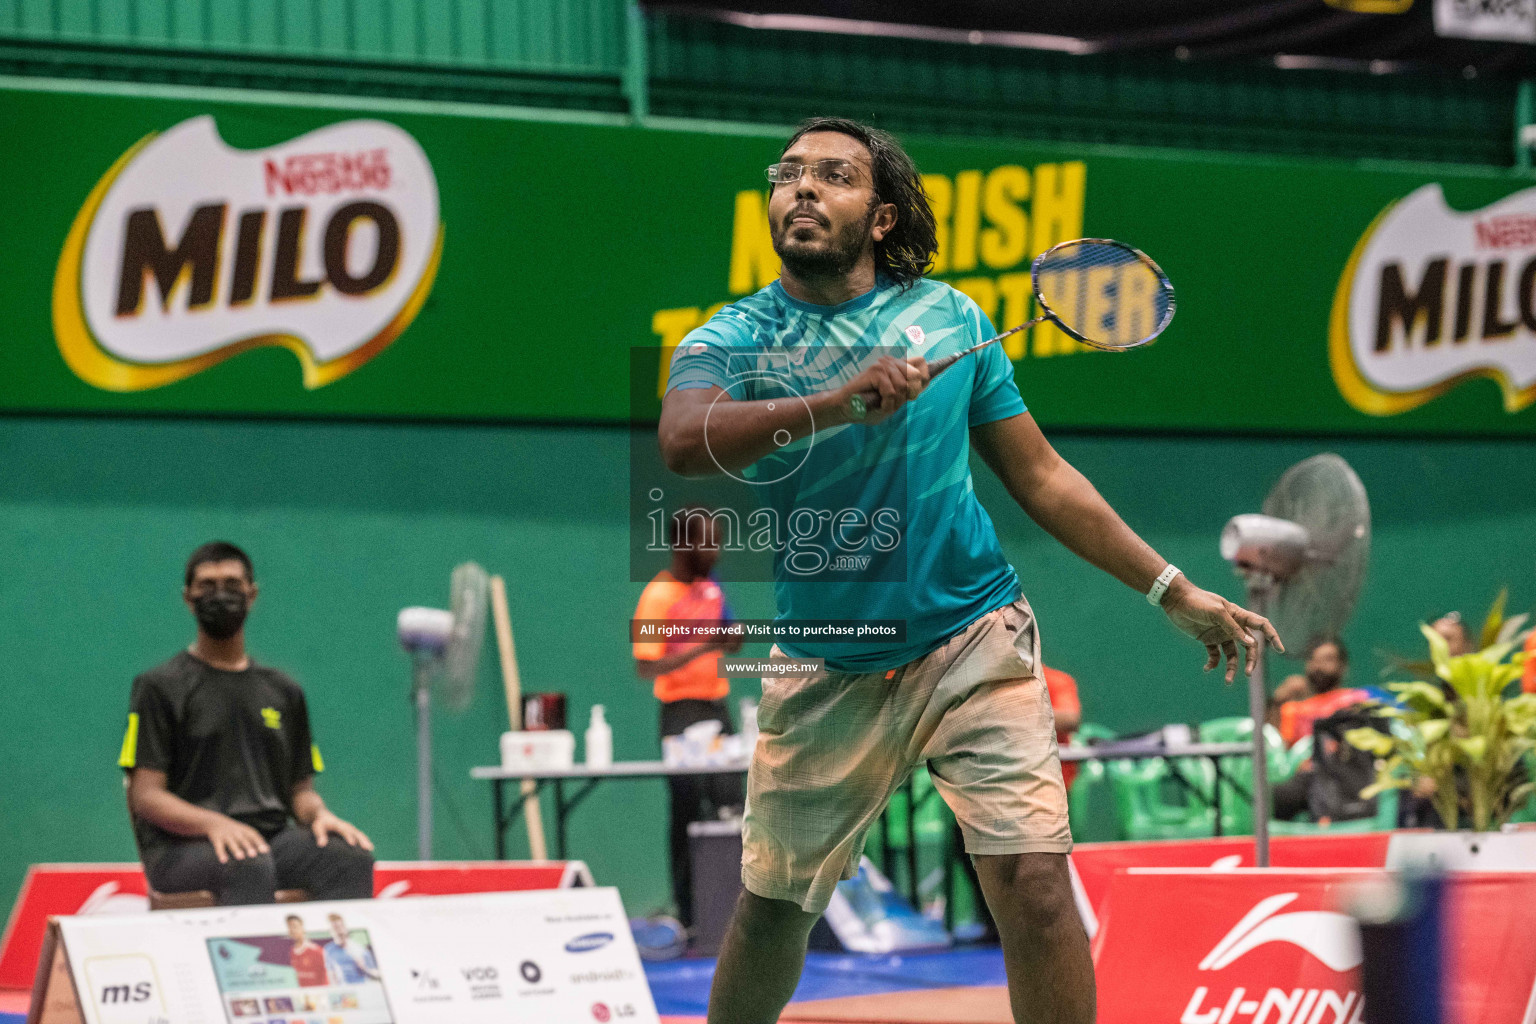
833	260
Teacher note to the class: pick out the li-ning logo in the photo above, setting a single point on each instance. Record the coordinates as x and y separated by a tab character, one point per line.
188	252
588	942
1431	297
1331	937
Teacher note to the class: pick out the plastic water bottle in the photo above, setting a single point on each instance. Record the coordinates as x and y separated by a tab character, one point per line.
599	740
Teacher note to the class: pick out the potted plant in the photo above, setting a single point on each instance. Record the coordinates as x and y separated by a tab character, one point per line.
1461	732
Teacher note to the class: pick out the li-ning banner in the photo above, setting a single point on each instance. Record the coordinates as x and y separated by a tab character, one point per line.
176	253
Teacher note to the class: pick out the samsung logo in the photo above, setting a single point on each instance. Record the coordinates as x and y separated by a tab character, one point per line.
588	942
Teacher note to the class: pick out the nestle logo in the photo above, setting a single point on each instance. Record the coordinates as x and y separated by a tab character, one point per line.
311	174
588	942
1507	231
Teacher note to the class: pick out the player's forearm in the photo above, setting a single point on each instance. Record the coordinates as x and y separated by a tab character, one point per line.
169	812
1071	509
307	804
706	438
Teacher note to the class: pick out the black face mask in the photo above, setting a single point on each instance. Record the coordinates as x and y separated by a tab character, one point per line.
220	614
1322	682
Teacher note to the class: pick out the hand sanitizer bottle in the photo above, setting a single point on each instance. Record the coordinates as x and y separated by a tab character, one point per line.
599	740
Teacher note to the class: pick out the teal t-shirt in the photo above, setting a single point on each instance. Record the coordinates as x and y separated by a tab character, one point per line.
868	522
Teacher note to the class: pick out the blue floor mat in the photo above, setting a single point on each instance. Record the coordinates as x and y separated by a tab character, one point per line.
681	987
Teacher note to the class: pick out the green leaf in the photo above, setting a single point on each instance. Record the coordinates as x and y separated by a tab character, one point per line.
1434	730
1439	652
1511	753
1382	785
1467	674
1495	618
1520	794
1520	714
1496	653
1522	702
1475	747
1511	628
1397	665
1423	697
1370	740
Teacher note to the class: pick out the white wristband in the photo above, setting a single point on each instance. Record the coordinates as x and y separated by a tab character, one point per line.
1160	585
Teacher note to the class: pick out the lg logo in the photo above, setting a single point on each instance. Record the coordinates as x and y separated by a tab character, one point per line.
530	972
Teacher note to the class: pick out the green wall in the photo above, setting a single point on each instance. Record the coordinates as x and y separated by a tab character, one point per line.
349	522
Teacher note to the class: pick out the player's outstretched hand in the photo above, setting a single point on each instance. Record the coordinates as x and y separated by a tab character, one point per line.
1217	623
886	385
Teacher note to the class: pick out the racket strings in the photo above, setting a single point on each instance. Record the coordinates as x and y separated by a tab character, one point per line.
1103	293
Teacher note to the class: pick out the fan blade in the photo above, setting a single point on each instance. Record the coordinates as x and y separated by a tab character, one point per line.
1325	496
461	661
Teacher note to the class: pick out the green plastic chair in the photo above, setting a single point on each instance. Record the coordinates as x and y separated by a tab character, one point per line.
1385	820
1237	807
1091	800
1150	804
934	827
934	819
1299	754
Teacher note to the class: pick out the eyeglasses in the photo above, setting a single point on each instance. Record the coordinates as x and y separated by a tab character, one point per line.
839	173
228	586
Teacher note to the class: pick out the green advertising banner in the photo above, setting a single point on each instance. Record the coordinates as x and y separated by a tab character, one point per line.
216	254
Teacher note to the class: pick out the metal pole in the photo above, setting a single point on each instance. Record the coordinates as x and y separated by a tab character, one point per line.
423	696
1258	594
498	817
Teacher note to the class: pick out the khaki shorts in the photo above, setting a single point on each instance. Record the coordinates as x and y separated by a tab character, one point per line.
833	747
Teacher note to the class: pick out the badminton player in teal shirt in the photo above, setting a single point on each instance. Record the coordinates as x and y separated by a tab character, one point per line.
816	391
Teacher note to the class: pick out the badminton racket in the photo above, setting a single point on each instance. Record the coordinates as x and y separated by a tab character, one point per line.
1100	292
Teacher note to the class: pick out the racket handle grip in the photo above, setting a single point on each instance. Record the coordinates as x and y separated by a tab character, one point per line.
938	366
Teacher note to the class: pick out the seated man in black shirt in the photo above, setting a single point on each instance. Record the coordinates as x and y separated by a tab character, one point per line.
221	763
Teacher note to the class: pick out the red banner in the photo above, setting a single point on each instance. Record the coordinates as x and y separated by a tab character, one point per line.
1096	863
57	889
1276	947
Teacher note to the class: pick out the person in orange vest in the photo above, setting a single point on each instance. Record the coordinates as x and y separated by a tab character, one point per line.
1305	699
1068	710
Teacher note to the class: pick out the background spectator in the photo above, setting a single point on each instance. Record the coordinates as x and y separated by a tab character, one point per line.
221	762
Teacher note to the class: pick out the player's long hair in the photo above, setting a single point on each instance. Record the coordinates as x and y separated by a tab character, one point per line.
906	253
